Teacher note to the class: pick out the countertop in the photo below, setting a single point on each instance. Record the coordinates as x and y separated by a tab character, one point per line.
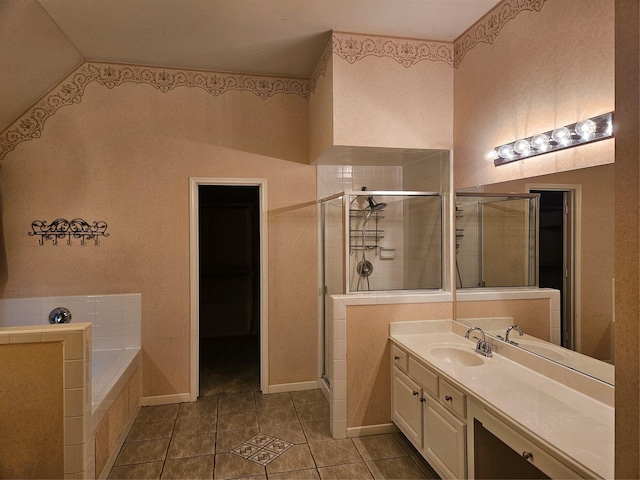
577	425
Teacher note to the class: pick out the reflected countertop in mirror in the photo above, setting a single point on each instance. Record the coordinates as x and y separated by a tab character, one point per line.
497	327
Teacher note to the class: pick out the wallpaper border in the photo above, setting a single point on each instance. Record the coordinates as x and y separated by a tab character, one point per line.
71	89
488	27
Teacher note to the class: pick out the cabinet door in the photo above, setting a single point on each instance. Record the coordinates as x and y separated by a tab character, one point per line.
444	441
406	409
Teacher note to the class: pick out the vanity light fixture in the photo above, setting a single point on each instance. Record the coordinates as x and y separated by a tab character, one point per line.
579	133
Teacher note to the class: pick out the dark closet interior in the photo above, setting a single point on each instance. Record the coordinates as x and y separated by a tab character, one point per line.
551	256
229	282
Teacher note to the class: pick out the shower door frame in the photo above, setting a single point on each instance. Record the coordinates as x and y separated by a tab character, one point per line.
194	276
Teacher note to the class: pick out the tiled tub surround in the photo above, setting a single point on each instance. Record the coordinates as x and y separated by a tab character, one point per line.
76	340
106	374
566	412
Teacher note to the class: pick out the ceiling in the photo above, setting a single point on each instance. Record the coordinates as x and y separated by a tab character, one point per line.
263	37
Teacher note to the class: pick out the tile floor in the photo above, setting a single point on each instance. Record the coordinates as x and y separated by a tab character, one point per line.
198	439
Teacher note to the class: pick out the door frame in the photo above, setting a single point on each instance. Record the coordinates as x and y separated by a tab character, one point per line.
194	276
575	285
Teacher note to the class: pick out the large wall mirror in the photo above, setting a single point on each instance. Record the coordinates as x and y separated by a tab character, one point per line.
575	256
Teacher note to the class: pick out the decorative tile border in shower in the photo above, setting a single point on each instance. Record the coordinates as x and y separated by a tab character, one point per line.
116	319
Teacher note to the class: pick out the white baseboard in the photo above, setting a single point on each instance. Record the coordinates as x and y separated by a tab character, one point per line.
324	388
372	430
165	399
293	387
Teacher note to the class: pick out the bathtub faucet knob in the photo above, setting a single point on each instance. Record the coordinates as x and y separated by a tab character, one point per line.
59	315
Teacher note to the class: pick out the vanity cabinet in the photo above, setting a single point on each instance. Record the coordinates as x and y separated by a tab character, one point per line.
430	412
462	436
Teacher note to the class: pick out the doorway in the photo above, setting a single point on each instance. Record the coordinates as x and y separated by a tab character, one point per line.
229	320
557	265
228	287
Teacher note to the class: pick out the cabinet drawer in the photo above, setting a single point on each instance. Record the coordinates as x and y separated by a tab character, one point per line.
453	399
531	452
424	377
399	357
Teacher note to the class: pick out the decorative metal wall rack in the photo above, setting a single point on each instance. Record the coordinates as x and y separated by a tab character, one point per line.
61	228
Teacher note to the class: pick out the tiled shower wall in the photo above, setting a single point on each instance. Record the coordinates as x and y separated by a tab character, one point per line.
420	229
115	319
387	274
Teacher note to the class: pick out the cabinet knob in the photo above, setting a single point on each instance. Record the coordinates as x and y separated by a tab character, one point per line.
527	455
396	357
448	398
415	393
422	400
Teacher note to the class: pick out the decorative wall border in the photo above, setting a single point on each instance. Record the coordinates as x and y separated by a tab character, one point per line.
407	52
353	47
488	27
320	69
71	90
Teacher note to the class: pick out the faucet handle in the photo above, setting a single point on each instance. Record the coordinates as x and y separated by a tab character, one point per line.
484	348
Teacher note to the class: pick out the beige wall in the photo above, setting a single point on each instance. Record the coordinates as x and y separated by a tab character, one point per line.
124	155
28	448
382	95
627	240
380	103
321	106
368	356
545	69
35	54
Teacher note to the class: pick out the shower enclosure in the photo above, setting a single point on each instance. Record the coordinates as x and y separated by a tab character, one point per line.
496	240
377	241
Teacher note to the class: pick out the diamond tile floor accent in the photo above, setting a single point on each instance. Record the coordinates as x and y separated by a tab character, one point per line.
262	449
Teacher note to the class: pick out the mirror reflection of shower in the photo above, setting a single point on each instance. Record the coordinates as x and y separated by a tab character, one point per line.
496	239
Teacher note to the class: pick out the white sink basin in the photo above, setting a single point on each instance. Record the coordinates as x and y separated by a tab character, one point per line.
458	355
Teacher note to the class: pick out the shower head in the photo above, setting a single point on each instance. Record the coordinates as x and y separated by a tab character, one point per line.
374	206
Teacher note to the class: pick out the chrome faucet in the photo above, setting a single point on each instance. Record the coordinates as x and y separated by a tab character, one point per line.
482	347
506	335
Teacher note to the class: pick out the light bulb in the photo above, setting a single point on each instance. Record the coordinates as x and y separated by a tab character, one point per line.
562	136
540	142
522	147
586	129
491	155
506	151
608	130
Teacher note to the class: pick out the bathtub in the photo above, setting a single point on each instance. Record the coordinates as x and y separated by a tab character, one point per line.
102	368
